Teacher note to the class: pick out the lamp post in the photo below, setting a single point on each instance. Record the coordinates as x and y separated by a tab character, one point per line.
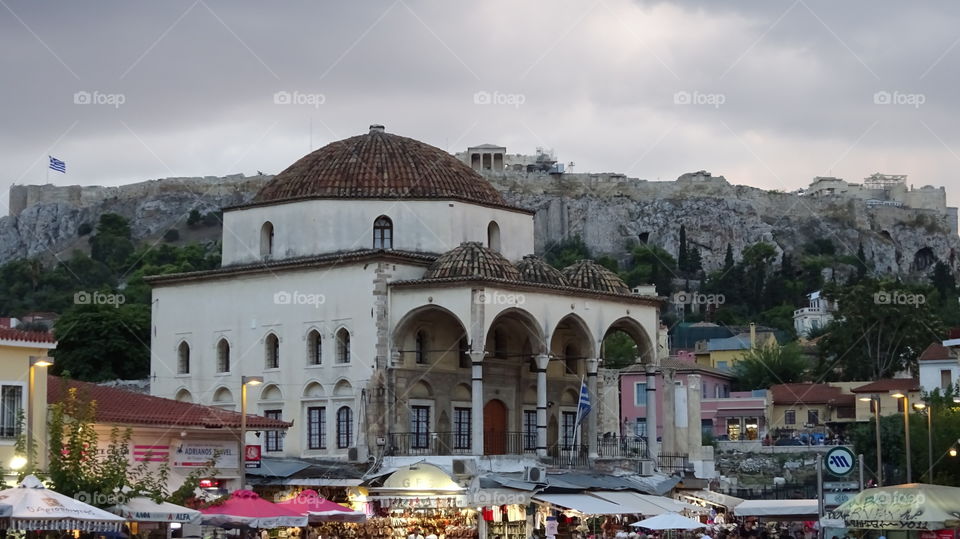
906	428
244	382
875	401
921	407
35	361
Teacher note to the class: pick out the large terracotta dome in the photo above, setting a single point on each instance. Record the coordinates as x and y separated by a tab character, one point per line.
592	276
379	165
472	259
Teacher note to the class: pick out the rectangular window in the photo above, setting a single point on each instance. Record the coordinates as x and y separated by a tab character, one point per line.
12	406
420	427
751	428
462	427
529	430
640	427
734	428
813	417
569	429
946	380
640	394
274	441
706	426
317	427
790	417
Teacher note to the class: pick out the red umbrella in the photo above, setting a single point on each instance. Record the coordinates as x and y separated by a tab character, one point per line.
244	509
321	509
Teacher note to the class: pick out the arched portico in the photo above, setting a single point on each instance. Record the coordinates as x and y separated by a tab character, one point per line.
645	353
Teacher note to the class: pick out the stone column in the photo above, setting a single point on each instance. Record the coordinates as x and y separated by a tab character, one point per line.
668	412
595	404
694	416
542	361
652	448
476	361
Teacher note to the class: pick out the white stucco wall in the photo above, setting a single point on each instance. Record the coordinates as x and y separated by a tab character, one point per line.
315	227
930	373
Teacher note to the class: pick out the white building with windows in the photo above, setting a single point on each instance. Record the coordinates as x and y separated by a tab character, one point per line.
815	316
939	368
389	298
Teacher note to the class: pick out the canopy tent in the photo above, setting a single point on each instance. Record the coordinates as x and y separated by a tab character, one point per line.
583	503
31	506
631	502
714	498
779	509
669	521
913	506
319	509
244	509
143	509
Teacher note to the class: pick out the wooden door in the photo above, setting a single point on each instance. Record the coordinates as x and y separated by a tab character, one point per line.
494	428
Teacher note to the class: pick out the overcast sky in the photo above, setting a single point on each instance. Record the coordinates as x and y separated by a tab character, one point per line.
766	93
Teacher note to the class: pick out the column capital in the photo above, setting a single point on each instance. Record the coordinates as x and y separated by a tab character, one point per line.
592	365
650	369
476	356
542	360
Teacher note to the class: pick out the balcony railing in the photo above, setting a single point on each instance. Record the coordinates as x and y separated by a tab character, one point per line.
622	447
453	443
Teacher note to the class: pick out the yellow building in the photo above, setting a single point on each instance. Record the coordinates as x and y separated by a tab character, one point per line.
726	352
16	349
884	391
805	407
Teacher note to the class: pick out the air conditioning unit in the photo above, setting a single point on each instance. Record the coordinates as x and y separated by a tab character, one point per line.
534	474
463	467
352	454
646	468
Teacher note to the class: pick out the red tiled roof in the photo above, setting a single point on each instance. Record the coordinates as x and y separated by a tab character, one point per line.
936	351
9	334
129	407
889	384
810	394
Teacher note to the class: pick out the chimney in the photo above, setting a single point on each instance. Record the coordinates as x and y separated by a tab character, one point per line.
376	128
753	335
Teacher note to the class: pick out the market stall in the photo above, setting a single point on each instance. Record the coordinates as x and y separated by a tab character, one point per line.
149	518
245	509
319	509
30	506
782	510
669	521
914	506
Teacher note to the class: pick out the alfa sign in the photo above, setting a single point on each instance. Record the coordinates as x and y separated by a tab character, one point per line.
252	456
840	461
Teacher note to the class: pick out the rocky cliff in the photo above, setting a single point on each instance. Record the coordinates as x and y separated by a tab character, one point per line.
609	211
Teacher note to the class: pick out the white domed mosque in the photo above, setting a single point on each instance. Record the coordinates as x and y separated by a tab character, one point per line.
388	296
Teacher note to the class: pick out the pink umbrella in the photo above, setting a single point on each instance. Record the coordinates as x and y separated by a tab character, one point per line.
320	509
244	509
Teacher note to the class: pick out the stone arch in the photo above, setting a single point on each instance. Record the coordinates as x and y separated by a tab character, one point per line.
313	390
343	389
443	337
461	392
183	395
271	392
266	239
530	395
572	342
493	236
645	351
420	390
569	397
183	357
514	334
222	352
222	396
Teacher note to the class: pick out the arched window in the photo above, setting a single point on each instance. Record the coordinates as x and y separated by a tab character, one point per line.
421	348
343	346
223	356
272	352
314	348
183	358
266	239
344	427
383	233
493	236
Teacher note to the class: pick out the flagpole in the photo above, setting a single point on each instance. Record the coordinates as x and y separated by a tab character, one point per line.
576	431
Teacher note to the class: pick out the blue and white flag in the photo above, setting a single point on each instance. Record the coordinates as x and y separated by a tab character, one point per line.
584	407
58	165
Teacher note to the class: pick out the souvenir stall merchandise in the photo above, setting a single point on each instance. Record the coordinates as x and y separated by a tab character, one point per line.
422	517
506	521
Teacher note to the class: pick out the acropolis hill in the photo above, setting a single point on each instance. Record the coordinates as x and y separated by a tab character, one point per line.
903	230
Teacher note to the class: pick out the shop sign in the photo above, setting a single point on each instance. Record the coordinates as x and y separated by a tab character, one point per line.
253	456
195	454
832	499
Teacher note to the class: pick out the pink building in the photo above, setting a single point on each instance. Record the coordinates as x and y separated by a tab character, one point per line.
726	414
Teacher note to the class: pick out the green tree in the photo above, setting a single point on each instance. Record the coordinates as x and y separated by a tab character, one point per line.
564	253
683	260
765	366
650	264
104	342
619	350
112	245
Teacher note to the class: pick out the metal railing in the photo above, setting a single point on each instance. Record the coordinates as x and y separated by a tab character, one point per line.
454	443
668	462
623	447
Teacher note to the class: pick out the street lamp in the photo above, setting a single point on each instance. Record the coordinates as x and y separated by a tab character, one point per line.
875	401
897	394
244	382
923	407
35	361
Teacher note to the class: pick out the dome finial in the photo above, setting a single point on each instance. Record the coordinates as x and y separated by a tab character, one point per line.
376	128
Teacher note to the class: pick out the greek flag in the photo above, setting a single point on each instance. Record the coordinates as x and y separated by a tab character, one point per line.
584	408
58	165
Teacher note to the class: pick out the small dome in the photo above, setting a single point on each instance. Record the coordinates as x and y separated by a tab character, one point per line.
472	259
592	276
379	165
534	269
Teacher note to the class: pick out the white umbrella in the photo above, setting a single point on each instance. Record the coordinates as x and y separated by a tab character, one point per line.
669	521
142	509
35	507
